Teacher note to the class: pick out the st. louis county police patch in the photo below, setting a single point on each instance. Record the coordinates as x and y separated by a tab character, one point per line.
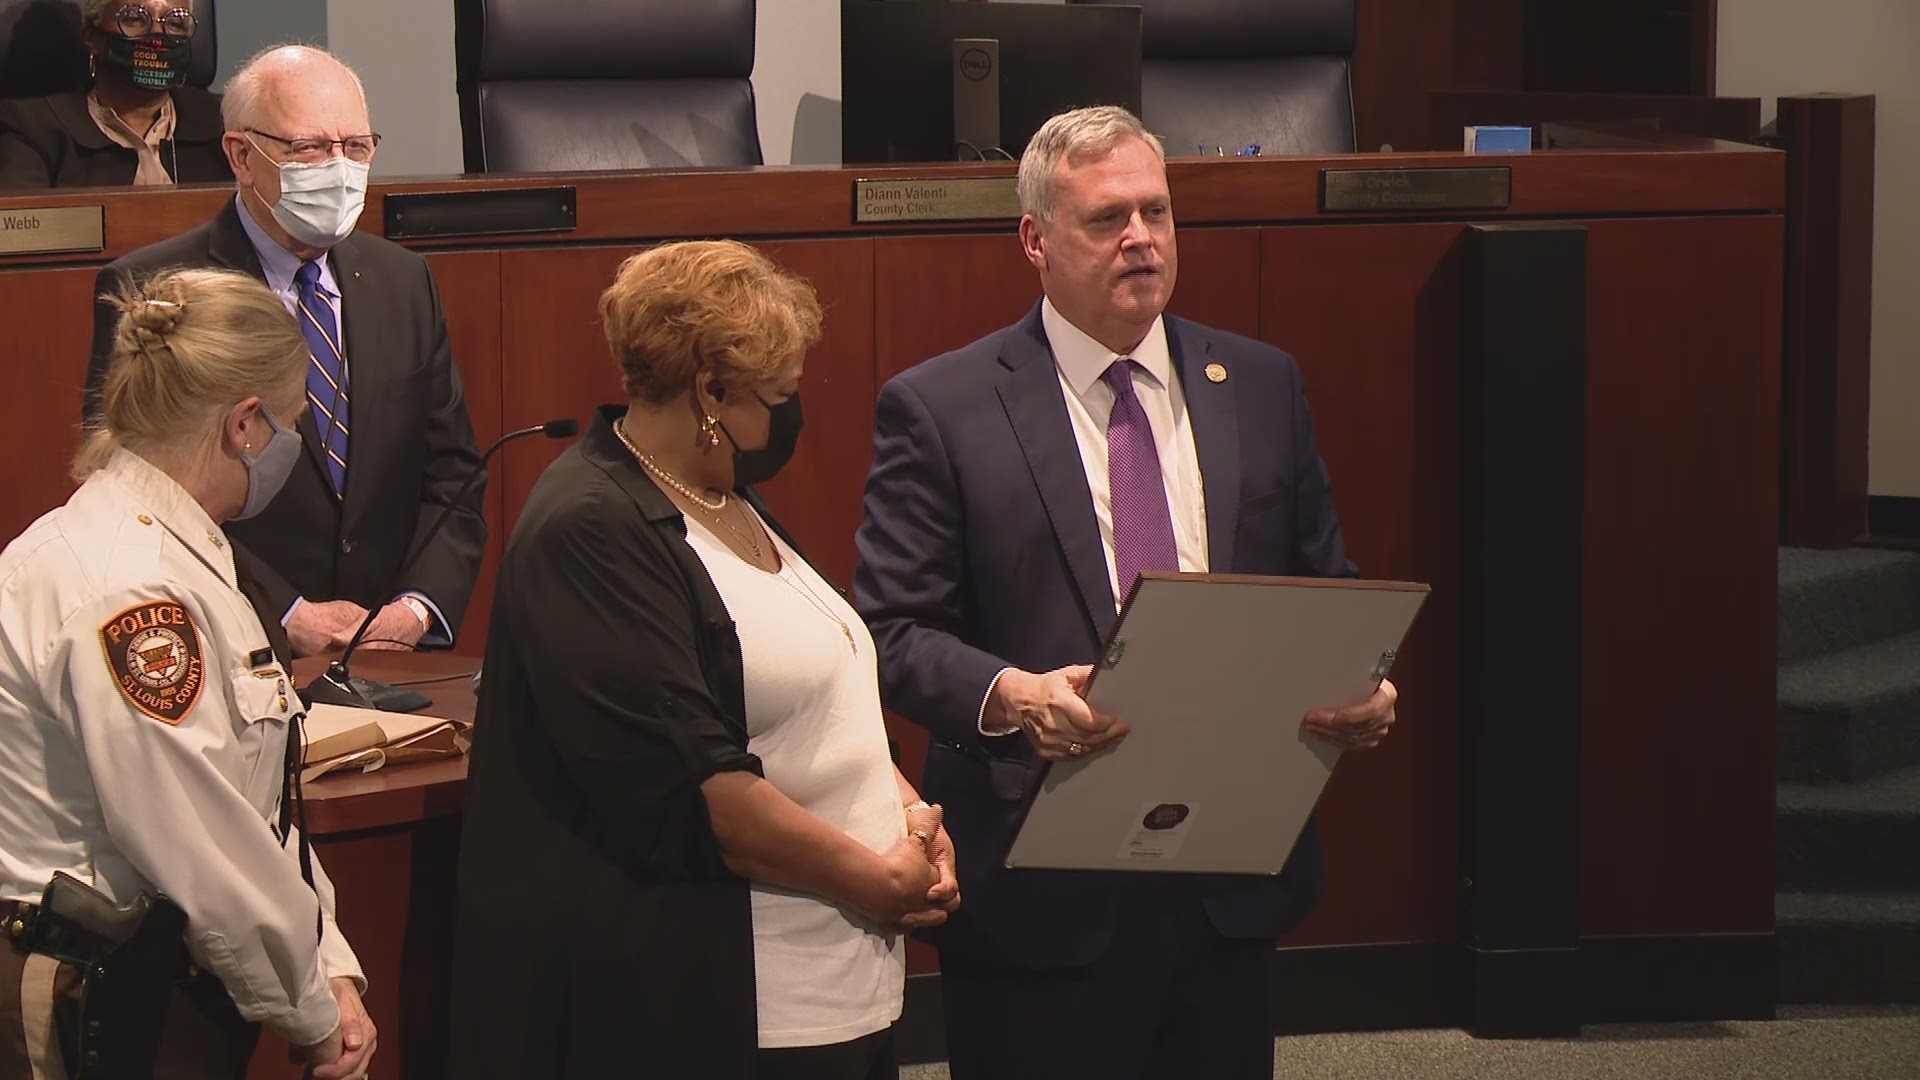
153	651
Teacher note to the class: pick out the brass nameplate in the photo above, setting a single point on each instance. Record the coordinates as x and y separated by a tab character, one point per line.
937	198
1472	188
49	229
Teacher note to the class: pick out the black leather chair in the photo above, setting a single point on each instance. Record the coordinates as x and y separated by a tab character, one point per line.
565	85
1225	73
41	54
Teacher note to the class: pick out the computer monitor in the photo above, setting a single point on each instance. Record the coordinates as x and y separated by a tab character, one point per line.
898	66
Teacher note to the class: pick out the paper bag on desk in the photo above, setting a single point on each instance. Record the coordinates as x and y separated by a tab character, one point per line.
339	738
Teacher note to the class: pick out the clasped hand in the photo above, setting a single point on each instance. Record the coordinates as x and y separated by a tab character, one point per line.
923	886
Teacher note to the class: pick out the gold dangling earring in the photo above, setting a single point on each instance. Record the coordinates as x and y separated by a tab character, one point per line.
710	431
93	67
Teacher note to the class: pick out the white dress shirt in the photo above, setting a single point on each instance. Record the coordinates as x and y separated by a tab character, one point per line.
1081	362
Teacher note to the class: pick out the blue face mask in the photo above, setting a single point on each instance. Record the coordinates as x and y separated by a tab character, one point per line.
268	470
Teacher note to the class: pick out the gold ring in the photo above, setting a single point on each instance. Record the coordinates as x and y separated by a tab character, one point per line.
921	835
1075	749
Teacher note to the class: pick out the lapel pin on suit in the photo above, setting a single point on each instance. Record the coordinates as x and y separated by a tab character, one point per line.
1217	373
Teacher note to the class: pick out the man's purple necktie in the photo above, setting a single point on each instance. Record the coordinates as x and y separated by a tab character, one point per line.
1142	528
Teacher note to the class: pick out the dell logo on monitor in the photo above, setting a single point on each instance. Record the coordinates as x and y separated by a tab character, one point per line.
975	64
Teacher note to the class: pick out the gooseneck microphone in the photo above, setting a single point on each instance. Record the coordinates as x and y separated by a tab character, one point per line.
335	685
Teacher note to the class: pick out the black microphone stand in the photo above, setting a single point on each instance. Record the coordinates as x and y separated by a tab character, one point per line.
335	685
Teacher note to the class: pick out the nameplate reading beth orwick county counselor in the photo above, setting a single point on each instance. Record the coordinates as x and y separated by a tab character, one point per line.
938	198
1472	188
47	230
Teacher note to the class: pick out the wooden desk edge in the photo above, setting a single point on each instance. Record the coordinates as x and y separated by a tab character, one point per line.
397	795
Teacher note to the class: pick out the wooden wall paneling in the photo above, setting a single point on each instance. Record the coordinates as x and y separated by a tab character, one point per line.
1219	281
1373	314
933	294
1683	377
1404	49
553	353
818	496
469	284
49	315
1827	364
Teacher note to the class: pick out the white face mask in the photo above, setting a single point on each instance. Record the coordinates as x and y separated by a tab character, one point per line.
320	202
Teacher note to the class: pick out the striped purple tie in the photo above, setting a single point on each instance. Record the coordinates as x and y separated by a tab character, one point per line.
1142	527
327	375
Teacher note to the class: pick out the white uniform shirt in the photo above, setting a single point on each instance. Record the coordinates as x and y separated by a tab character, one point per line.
143	727
822	974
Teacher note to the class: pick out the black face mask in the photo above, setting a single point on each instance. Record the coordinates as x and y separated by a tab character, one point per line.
150	63
753	467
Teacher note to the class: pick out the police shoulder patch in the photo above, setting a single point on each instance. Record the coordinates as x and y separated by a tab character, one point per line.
153	651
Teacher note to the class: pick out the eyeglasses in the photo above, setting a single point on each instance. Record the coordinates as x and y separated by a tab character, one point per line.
358	148
136	21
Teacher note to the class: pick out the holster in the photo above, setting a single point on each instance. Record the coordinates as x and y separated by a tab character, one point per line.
130	955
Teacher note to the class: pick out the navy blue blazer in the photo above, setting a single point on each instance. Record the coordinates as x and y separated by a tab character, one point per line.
980	550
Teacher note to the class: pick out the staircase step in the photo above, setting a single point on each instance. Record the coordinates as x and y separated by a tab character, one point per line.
1862	837
1848	947
1851	715
1831	601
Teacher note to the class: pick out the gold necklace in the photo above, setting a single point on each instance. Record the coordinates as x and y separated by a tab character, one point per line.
799	585
712	508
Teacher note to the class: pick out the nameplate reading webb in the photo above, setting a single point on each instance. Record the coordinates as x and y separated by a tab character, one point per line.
46	230
935	198
1471	188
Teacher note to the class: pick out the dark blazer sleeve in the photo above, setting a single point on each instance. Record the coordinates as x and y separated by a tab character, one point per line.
1319	548
909	583
450	564
606	628
24	159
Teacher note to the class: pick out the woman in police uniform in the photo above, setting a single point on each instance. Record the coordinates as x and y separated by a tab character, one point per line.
144	715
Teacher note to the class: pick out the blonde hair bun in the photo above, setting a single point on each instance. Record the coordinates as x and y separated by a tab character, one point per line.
156	310
191	344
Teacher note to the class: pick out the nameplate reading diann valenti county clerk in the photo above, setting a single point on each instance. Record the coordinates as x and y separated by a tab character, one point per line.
47	230
935	198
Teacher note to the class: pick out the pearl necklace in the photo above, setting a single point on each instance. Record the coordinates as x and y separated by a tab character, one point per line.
646	460
712	507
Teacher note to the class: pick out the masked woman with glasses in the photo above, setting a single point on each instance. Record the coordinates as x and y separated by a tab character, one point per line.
686	850
145	716
138	124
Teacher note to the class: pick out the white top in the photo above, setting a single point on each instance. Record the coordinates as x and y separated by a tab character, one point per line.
143	724
1081	361
822	974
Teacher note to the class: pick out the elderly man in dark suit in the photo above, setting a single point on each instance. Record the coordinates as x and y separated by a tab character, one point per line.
1019	485
388	439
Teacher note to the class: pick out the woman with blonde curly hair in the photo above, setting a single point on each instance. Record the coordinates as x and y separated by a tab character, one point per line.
145	719
687	851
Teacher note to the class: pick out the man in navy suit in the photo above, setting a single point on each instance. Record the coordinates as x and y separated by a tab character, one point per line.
1019	484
